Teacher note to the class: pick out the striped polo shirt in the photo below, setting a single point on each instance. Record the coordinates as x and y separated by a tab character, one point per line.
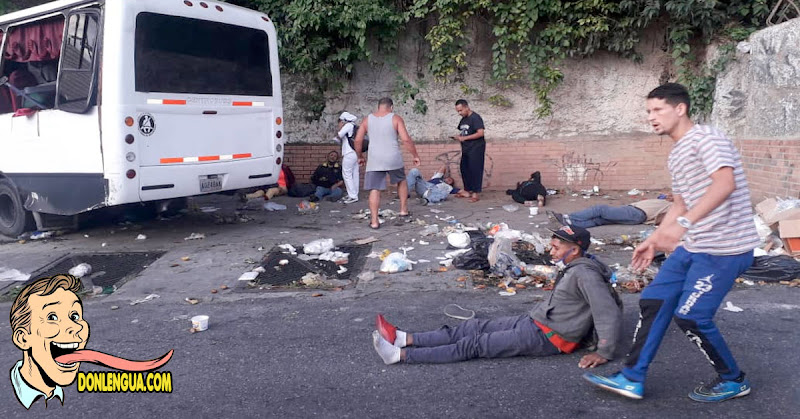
728	229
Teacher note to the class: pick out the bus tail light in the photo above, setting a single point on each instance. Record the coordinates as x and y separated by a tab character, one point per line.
130	174
279	134
278	120
129	139
278	161
129	121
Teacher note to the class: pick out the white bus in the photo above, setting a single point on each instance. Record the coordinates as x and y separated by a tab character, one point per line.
109	102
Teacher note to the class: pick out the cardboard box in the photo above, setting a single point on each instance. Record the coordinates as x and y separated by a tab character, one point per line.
766	209
789	231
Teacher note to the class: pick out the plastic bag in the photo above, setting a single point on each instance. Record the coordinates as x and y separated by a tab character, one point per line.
773	269
81	270
502	260
271	206
318	246
430	230
458	240
395	262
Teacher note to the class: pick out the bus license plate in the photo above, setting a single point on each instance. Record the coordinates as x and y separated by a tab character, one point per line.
210	184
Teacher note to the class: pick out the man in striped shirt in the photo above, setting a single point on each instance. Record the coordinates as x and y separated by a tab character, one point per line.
712	215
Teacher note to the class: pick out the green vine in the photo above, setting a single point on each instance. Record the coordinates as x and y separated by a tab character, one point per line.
530	39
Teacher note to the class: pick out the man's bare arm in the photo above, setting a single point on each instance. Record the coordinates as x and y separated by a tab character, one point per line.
358	143
406	139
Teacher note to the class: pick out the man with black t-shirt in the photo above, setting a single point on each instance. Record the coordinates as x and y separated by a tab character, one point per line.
473	149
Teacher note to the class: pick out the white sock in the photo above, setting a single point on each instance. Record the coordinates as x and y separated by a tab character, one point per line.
400	339
388	352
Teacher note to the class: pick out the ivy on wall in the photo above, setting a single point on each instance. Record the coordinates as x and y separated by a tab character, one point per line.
322	39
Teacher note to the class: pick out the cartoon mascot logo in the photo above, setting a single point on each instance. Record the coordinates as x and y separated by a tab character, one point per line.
48	327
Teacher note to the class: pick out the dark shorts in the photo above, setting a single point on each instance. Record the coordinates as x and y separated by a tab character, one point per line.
377	180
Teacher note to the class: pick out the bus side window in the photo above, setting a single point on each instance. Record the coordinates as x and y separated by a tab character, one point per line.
76	80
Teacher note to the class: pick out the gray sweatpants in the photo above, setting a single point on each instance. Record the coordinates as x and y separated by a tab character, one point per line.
481	338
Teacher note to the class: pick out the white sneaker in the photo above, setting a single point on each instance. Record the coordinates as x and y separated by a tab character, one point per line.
348	200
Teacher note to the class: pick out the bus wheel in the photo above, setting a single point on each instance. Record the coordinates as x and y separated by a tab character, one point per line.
13	217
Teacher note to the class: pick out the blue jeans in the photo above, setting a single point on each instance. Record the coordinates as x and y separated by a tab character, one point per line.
417	183
689	289
322	192
481	338
599	215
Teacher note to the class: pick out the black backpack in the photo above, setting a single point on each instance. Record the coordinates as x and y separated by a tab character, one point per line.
351	139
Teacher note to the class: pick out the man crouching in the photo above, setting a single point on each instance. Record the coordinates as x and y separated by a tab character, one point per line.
582	304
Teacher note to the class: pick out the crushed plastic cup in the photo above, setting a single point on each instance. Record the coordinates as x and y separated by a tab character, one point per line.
200	323
534	210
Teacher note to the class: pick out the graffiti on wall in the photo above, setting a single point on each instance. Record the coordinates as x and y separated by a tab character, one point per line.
452	159
578	170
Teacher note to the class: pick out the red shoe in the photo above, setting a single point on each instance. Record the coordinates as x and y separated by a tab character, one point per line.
386	329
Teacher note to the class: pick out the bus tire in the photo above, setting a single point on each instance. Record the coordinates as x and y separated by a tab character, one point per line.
13	216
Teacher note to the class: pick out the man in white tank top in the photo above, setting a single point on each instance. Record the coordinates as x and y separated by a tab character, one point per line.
387	132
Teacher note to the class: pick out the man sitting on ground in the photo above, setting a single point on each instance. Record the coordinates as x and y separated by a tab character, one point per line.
648	211
285	182
434	190
328	179
581	304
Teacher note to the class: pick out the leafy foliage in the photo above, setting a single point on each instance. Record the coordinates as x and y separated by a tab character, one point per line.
530	38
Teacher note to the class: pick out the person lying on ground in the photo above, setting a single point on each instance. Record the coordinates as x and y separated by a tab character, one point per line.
327	179
582	304
285	182
434	190
530	190
648	211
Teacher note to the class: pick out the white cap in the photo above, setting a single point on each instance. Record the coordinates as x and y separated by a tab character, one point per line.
347	117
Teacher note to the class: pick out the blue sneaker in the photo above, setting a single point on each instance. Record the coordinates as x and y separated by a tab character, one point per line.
618	384
721	390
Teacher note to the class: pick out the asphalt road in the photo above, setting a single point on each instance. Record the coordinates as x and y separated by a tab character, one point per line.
302	357
291	355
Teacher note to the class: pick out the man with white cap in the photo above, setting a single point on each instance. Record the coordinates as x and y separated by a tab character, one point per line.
347	130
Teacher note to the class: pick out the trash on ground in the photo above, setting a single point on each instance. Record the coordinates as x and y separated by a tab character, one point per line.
339	258
458	240
597	242
141	237
214	291
209	209
259	269
8	274
312	279
367	240
39	235
289	248
305	207
195	236
186	258
316	294
502	259
341	270
80	270
223	287
283	262
730	307
634	191
395	262
200	323
248	276
318	246
508	292
115	307
145	299
430	230
366	276
272	206
773	269
511	207
192	301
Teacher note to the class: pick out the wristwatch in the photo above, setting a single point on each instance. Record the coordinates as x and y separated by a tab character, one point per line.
684	222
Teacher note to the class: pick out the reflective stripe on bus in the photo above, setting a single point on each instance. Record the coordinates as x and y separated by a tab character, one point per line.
183	102
168	160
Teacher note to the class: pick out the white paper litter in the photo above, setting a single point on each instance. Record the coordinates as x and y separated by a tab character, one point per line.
145	299
195	236
730	307
249	276
7	274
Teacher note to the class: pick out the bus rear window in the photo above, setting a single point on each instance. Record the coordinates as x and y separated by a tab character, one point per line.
176	54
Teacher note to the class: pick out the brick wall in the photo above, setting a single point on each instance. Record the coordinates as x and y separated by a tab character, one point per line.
770	167
619	163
